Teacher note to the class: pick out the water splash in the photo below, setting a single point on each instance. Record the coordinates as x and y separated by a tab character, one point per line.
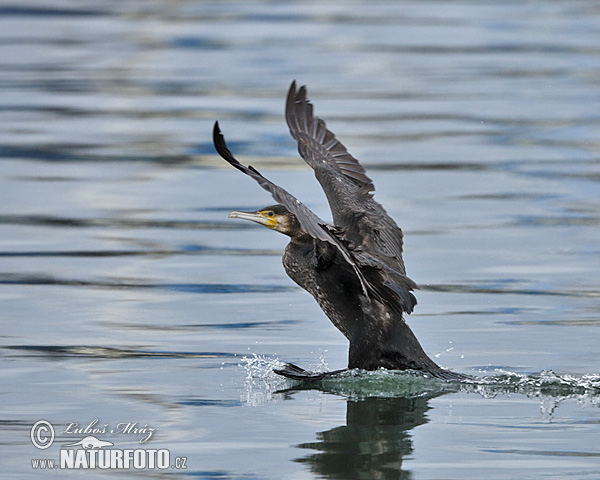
261	381
322	366
545	384
262	385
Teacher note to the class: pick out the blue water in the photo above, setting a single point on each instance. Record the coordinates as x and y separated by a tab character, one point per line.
127	296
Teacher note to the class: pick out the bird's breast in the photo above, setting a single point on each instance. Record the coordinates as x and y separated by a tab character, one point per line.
335	288
298	261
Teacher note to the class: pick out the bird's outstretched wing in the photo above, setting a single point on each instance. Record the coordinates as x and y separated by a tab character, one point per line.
309	221
319	147
375	238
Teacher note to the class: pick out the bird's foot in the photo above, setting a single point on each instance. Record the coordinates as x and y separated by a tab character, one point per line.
294	372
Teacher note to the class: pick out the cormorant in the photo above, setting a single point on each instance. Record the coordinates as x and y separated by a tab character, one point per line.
353	268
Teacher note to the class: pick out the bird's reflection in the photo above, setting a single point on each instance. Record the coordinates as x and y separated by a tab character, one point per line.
372	444
375	439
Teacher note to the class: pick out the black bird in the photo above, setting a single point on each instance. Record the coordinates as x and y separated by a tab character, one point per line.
353	268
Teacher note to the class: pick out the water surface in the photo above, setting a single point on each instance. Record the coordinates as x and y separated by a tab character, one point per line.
127	296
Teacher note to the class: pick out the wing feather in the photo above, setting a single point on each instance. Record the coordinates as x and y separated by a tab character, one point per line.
309	222
345	183
375	238
319	145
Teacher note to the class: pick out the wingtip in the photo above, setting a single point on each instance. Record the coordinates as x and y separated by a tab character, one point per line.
295	93
216	129
294	87
221	145
218	139
291	95
302	93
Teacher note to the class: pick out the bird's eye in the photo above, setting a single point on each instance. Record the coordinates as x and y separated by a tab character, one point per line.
271	213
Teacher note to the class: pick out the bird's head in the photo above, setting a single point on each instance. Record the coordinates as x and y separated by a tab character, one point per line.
275	217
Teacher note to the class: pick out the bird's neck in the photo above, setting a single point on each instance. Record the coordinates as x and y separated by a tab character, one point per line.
301	238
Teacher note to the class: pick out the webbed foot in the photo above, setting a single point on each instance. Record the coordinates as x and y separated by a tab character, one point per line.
294	372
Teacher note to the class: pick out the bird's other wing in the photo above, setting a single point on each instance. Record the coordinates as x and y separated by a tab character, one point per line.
367	225
309	221
318	146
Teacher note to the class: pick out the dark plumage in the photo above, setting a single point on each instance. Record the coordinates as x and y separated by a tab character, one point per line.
353	268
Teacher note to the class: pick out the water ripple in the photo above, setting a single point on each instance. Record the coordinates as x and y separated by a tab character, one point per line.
550	453
193	250
271	325
59	351
22	279
48	11
62	222
203	402
458	288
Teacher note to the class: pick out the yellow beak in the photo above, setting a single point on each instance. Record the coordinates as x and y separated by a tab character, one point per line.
258	217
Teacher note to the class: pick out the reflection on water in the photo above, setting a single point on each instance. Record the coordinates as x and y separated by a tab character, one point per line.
373	442
125	294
